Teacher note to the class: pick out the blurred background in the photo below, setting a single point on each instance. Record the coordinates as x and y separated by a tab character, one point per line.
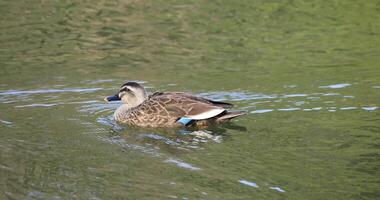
307	73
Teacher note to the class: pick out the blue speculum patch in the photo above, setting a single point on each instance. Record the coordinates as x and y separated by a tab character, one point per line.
184	120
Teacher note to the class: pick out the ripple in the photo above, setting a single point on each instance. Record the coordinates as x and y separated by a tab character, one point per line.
38	105
20	92
189	140
121	142
150	149
255	185
161	138
8	123
35	195
235	96
288	109
336	86
370	108
55	104
109	121
204	135
249	183
294	95
330	109
98	81
290	86
277	189
348	108
262	111
182	164
98	107
331	94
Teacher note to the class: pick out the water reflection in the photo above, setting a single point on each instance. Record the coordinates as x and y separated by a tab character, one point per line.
140	142
168	140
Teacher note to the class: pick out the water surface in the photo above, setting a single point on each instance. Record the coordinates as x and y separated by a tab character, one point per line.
307	73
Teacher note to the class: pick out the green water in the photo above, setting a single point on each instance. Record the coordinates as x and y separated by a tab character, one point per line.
307	73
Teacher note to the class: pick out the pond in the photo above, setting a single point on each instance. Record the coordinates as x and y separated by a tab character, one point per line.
307	73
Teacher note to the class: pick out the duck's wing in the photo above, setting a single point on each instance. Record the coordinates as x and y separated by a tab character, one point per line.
185	105
195	98
208	101
203	111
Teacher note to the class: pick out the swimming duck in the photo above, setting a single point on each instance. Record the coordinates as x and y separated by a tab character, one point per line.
168	109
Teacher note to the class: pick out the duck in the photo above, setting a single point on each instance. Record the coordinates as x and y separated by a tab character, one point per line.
168	109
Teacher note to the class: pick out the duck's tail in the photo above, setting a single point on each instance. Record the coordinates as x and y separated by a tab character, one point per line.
228	115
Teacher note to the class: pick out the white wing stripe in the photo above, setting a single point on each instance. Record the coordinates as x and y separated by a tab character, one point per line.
207	114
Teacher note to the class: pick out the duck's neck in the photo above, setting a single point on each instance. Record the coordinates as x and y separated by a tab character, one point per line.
121	112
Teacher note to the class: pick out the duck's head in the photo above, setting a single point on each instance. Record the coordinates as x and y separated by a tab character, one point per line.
131	93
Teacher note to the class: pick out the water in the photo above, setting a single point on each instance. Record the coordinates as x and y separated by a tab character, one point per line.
307	73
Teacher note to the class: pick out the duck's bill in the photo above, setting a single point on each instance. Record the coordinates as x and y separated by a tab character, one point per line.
112	98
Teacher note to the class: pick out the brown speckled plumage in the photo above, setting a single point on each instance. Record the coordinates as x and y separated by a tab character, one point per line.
164	109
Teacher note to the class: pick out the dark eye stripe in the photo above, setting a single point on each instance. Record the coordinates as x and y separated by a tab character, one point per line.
125	90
